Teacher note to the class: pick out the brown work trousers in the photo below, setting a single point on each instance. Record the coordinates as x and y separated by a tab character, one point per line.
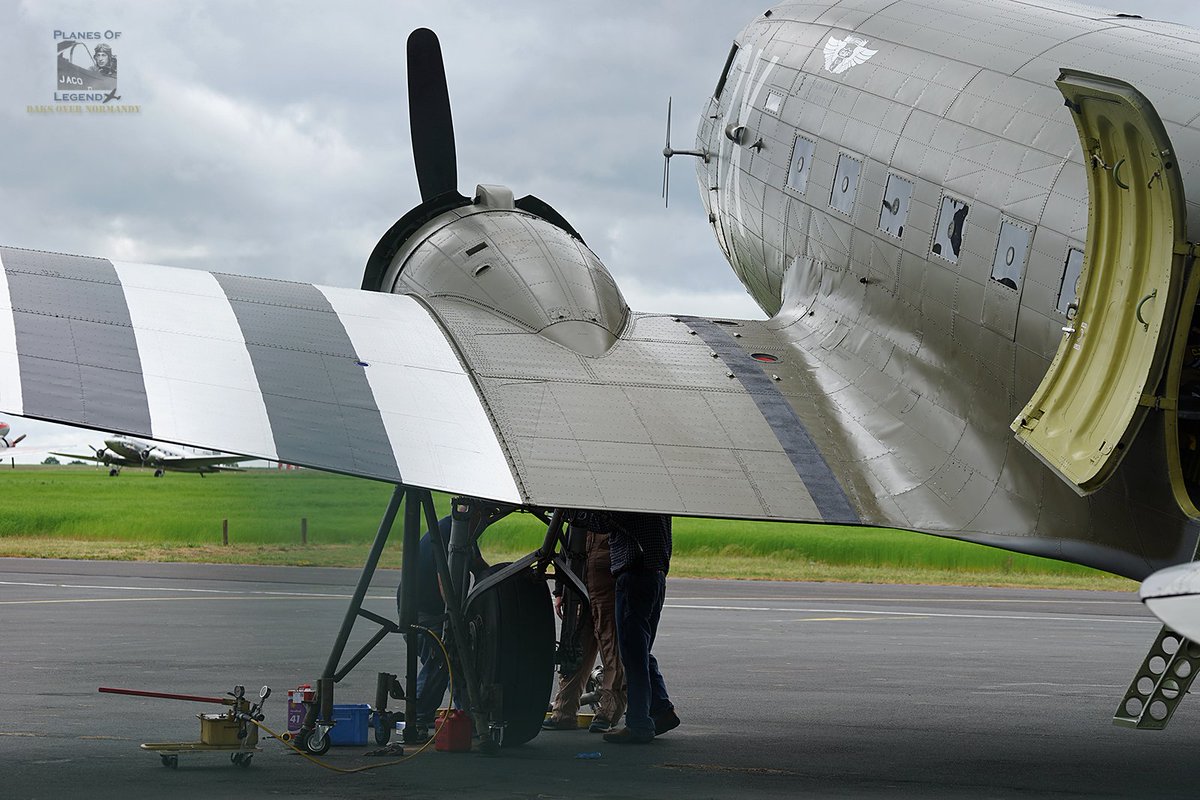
599	637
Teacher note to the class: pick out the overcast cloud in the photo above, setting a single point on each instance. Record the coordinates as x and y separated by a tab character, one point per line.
273	137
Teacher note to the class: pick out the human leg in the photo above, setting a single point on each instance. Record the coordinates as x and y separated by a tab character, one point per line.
602	592
635	599
660	701
565	708
433	676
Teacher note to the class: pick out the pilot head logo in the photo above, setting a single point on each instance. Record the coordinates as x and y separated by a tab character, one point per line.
842	54
106	62
83	69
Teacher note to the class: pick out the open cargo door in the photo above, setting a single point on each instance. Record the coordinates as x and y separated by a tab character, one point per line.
1093	399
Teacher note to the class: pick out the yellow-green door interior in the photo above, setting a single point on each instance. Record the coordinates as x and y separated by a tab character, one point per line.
1101	383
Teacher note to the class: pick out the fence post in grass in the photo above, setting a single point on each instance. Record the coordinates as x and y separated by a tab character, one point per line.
304	530
225	531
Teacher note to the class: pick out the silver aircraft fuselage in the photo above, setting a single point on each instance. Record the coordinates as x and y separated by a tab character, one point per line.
874	168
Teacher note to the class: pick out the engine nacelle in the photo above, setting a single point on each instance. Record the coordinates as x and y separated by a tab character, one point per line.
516	264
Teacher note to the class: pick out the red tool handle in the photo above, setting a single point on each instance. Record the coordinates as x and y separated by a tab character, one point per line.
195	698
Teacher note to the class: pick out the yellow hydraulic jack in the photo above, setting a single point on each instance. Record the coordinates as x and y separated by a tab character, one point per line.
232	732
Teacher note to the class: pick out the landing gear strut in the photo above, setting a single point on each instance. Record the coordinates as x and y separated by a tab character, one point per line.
500	633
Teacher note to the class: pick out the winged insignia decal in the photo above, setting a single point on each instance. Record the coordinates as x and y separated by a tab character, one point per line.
842	54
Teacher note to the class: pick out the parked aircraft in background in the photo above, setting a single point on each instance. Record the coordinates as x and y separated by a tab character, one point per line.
981	309
5	442
124	451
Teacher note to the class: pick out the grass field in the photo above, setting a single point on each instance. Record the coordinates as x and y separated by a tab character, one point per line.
79	512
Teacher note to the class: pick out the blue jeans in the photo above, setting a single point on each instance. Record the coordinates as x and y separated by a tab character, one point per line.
640	596
434	676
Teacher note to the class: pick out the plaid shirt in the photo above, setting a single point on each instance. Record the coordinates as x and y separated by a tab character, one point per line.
636	541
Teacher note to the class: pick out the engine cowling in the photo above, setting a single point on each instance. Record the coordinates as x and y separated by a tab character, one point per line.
516	264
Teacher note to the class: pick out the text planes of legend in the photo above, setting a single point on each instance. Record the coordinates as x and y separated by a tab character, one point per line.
980	306
126	451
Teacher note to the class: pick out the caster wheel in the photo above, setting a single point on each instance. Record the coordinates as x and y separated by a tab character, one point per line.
241	759
314	742
383	728
170	762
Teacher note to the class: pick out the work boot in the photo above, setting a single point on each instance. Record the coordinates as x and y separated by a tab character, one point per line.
599	725
665	721
552	724
628	736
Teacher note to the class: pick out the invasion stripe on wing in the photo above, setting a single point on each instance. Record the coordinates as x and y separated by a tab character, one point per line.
10	390
356	382
440	434
810	465
194	359
76	350
319	402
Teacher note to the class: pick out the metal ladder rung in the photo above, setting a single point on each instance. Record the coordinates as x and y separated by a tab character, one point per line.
1160	683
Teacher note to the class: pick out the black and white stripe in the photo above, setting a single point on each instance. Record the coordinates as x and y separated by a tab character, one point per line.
343	380
76	350
810	465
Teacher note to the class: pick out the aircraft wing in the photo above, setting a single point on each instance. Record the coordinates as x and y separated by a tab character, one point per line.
92	457
343	380
684	416
676	418
210	462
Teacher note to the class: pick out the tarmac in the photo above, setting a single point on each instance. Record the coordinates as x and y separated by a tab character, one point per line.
785	689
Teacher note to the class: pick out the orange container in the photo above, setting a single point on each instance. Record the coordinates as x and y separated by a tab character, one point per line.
454	736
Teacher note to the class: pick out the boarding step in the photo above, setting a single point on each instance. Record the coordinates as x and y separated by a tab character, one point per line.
1160	684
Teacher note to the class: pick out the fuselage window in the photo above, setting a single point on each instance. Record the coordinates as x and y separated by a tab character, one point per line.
802	156
896	198
1012	252
725	72
948	233
1068	290
845	184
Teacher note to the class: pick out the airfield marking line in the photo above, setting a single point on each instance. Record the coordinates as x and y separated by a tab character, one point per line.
799	599
857	619
194	591
915	614
137	600
849	619
321	594
1039	694
118	588
1051	683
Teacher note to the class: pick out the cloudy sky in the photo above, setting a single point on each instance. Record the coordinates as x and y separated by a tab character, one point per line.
272	138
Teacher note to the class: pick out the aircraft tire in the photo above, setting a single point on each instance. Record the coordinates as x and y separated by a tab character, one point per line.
512	627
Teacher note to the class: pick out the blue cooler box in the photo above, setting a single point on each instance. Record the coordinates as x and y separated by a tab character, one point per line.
351	727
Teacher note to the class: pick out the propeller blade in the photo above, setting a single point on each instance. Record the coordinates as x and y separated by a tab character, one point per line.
429	116
667	184
667	153
667	144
